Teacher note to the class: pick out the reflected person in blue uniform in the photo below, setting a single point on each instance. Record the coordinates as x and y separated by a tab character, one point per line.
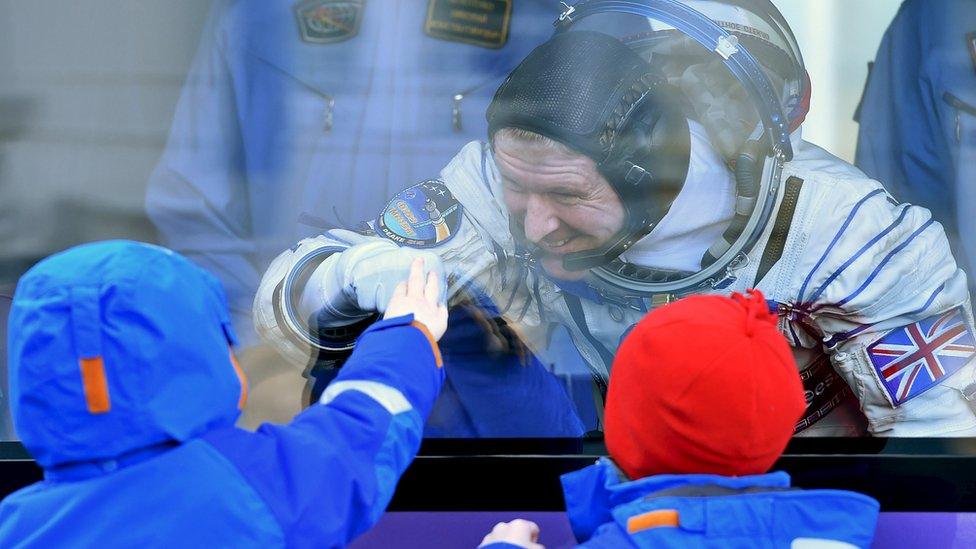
918	117
302	116
298	117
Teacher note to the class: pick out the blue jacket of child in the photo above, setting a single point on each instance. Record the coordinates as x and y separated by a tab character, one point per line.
691	511
125	392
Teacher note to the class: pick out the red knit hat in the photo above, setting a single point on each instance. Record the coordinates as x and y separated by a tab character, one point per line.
703	385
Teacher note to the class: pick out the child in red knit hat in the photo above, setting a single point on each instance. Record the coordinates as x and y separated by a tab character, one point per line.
704	395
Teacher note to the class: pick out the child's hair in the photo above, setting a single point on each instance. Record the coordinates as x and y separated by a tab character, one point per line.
704	385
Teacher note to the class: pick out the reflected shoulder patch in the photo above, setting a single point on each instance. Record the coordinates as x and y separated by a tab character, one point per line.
328	21
422	216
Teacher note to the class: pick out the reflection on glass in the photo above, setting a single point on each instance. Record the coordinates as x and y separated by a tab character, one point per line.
359	131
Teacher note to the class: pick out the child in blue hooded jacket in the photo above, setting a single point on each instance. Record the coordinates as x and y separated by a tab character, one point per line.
125	390
704	396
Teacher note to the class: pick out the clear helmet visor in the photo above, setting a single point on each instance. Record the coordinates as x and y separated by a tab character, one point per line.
708	65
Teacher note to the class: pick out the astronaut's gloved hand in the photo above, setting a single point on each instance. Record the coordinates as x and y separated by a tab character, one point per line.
352	284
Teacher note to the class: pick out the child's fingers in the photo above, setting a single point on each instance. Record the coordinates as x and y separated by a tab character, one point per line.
533	530
400	290
433	289
415	282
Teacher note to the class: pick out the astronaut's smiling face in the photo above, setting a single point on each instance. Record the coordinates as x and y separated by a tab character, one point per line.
558	197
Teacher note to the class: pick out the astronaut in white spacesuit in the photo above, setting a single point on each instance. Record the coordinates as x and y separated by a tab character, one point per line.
622	172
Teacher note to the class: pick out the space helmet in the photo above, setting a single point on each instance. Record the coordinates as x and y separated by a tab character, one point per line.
731	65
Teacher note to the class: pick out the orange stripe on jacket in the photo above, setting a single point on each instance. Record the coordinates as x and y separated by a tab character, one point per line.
652	519
95	385
433	342
240	377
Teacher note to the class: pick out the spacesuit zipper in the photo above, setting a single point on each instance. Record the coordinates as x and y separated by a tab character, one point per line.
781	228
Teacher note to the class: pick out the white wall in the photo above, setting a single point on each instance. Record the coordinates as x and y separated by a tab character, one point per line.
87	91
837	39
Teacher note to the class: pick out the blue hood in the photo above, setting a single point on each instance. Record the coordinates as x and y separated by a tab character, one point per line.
115	347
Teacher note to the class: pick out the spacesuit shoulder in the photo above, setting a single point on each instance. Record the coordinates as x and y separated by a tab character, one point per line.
449	211
812	161
860	252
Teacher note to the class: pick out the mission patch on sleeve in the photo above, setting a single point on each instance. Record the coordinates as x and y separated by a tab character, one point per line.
912	359
421	216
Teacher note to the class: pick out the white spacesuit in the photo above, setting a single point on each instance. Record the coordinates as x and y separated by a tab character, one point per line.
860	282
854	267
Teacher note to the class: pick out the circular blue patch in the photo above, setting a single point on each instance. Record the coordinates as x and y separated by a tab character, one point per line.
421	216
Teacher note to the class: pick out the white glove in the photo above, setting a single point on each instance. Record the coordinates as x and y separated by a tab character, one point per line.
352	284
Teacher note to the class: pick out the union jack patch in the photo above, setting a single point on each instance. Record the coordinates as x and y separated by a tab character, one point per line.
912	359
